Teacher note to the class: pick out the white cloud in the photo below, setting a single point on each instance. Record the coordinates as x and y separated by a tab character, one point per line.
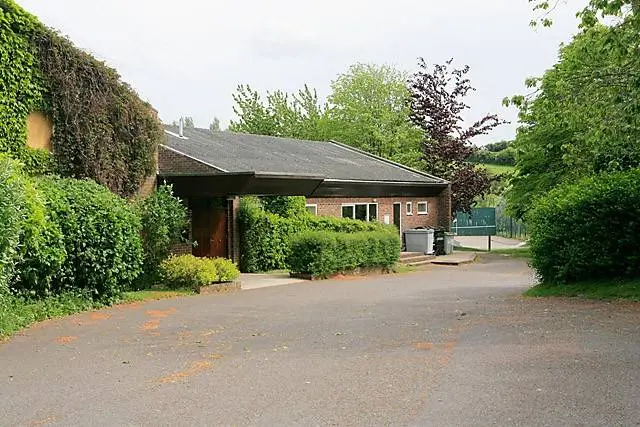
187	57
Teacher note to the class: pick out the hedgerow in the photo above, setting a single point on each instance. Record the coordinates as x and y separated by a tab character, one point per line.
588	230
322	253
12	207
101	233
265	236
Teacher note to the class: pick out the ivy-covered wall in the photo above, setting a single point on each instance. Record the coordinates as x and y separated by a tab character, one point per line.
102	129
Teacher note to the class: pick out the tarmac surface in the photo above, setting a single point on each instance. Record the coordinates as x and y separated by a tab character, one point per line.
444	346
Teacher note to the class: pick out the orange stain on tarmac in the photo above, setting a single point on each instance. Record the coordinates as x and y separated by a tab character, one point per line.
150	325
194	368
66	340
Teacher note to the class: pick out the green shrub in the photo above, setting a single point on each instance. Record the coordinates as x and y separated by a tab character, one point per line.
265	237
164	219
188	271
321	253
42	249
101	233
285	206
12	204
588	230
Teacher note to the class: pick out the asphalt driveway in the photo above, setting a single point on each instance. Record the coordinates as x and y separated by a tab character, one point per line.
448	346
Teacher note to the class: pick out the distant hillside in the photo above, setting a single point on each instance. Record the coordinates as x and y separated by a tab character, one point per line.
498	153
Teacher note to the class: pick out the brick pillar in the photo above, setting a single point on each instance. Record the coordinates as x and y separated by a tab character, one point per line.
233	229
444	209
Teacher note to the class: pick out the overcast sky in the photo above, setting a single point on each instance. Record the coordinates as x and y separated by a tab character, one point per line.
187	57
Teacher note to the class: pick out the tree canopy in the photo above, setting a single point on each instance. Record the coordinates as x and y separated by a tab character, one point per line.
583	116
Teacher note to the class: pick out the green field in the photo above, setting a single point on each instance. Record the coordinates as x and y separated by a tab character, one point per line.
497	169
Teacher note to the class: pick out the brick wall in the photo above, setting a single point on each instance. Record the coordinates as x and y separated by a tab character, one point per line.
332	206
171	162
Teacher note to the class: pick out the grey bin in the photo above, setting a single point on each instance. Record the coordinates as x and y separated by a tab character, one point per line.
419	240
448	243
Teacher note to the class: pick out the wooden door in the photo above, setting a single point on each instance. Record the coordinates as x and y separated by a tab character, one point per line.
209	229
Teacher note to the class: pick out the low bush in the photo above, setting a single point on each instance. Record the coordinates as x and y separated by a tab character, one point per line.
190	272
265	237
321	253
588	230
101	234
164	219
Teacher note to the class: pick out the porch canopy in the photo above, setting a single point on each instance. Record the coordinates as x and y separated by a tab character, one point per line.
202	163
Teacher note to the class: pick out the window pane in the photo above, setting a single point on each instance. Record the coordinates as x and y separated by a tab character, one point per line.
313	209
422	207
347	212
409	208
373	212
361	212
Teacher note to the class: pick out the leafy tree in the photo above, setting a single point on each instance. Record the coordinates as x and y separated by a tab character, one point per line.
215	124
437	103
582	118
188	122
369	109
298	115
497	146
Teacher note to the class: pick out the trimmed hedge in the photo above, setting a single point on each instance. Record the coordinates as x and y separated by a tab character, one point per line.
188	271
265	237
321	253
101	234
588	230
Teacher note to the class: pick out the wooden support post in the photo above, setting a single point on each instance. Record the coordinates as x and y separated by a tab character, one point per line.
489	243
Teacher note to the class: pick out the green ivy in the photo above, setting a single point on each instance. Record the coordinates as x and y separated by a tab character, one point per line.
22	86
103	130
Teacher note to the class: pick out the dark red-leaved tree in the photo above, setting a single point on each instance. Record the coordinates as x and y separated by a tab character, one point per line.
437	103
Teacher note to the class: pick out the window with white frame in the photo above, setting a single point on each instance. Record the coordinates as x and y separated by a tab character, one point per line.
312	209
409	208
423	208
361	211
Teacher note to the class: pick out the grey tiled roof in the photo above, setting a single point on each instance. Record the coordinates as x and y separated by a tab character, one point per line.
238	152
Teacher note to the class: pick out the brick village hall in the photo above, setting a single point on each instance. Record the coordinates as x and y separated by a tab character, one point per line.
210	170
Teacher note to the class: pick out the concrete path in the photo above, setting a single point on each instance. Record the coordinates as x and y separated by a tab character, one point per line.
441	347
257	281
456	258
482	242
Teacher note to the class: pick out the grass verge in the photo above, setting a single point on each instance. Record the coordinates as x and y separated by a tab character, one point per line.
17	312
512	252
151	295
603	290
400	268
